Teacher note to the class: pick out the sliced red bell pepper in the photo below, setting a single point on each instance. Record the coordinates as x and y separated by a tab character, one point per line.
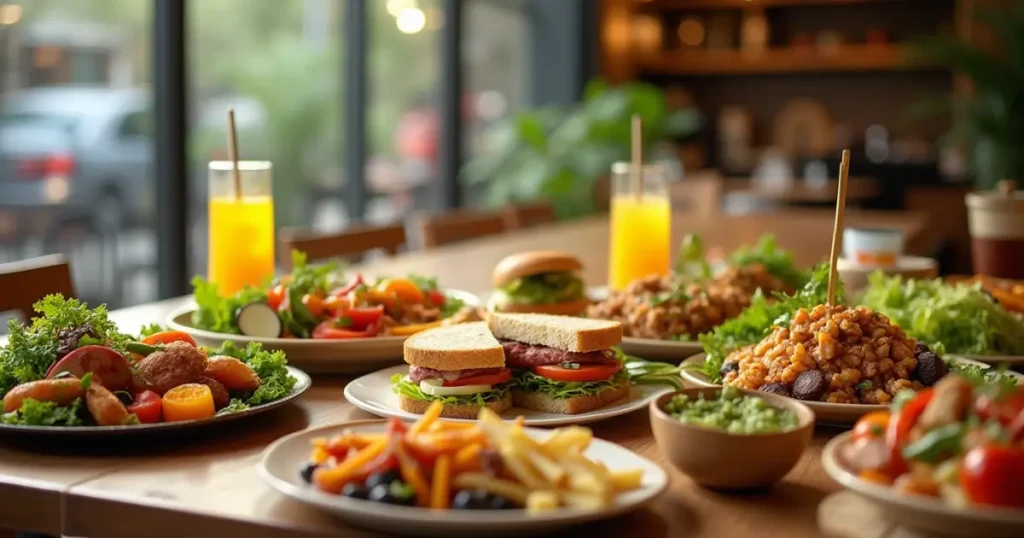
899	429
344	290
327	330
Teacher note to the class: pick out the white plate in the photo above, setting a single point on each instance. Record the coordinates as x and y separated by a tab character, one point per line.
302	384
279	467
918	511
316	356
830	413
372	393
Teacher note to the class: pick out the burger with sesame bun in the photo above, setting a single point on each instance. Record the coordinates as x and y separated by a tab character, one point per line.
539	282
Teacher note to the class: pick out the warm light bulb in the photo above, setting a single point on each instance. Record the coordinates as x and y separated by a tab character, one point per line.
411	20
10	14
691	32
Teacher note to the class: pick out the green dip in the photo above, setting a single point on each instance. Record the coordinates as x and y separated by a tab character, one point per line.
732	412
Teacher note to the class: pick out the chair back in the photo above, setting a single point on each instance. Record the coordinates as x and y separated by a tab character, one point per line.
699	193
24	282
527	215
353	243
460	225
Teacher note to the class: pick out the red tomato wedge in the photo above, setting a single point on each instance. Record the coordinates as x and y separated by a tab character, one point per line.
364	317
167	337
584	374
108	367
148	407
994	475
487	379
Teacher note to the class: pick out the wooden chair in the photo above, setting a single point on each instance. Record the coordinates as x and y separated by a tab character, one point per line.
527	215
27	281
352	243
460	225
699	193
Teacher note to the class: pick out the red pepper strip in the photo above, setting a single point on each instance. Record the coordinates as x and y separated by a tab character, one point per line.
899	429
326	330
356	282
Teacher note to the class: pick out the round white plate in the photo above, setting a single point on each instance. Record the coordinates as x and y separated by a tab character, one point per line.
824	412
316	356
372	393
302	384
279	467
918	511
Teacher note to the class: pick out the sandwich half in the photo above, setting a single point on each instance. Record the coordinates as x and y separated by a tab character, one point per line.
562	364
462	366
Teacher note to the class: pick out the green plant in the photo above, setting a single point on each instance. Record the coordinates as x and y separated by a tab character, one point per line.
989	118
560	152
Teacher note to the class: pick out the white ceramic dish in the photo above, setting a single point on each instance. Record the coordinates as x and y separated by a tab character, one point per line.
829	413
372	393
281	461
302	384
917	511
316	356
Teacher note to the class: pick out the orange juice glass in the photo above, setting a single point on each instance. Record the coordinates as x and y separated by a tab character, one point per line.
641	223
241	228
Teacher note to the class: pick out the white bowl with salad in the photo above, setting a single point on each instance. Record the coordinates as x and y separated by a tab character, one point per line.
325	321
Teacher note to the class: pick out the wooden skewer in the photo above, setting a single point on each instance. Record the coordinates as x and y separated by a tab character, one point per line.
637	156
837	230
233	153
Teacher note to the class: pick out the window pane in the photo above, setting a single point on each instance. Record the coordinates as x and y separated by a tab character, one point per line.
71	180
278	64
402	121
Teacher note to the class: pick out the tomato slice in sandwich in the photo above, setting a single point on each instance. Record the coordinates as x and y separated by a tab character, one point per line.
485	379
584	373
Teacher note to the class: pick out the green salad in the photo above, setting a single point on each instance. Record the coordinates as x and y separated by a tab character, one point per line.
964	319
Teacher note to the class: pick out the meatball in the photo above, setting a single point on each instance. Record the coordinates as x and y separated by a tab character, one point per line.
777	387
221	398
727	367
810	385
930	368
177	364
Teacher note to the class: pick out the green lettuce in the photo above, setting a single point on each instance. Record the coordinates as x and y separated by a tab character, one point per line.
275	381
36	413
544	288
403	387
776	261
532	382
963	318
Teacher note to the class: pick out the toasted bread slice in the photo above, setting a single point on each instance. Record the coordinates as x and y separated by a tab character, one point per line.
580	335
470	411
570	406
455	347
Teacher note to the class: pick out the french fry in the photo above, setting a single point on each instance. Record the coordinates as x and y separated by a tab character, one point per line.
626	479
519	468
566	439
516	493
540	501
439	486
468	458
412	475
575	462
429	416
588	483
320	456
584	501
332	479
548	469
445	426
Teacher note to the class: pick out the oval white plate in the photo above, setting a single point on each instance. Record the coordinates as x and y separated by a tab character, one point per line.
302	384
280	463
917	511
316	356
824	412
372	393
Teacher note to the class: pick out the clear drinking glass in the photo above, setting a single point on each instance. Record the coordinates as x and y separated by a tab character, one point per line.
641	223
241	225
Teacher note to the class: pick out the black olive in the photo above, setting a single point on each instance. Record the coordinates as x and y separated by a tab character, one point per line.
930	369
382	493
727	367
385	478
921	348
354	490
476	499
810	385
393	493
498	502
306	472
777	387
125	397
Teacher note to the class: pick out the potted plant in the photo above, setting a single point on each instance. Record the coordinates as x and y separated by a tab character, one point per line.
561	153
989	120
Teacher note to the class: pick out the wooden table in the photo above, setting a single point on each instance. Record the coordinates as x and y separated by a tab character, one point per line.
204	484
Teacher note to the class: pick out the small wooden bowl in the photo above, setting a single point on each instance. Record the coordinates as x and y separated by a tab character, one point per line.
718	459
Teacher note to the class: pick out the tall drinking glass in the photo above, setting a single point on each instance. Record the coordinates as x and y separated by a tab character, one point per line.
641	222
241	228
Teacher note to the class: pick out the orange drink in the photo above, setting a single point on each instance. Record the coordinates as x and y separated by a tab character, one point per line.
641	224
241	228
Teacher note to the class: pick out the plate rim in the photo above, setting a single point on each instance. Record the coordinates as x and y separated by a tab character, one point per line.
303	383
407	515
558	420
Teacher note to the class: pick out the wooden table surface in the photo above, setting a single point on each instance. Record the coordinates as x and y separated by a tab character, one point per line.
204	483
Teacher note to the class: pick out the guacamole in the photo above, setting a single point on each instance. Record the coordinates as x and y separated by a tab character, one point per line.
732	412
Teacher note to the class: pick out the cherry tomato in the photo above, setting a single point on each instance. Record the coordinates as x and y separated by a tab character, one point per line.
1004	409
148	407
436	298
276	296
314	304
485	379
166	337
871	425
994	475
364	317
585	373
327	330
405	290
899	428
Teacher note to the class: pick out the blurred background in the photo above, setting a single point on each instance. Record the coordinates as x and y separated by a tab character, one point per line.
379	110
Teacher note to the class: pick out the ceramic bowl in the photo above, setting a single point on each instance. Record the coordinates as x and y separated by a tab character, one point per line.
718	459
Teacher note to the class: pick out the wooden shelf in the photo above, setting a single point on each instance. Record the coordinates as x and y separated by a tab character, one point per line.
848	58
727	4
